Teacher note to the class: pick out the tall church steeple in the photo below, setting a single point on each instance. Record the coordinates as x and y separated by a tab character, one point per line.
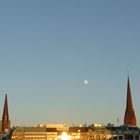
129	118
5	116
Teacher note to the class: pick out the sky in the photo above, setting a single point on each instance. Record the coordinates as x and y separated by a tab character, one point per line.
49	47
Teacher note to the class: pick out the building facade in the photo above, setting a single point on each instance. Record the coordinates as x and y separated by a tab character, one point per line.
114	133
92	132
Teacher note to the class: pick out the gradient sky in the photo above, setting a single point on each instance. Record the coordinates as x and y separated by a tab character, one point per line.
49	47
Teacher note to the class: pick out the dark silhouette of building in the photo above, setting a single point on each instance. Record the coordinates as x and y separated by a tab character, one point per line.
5	116
7	135
129	118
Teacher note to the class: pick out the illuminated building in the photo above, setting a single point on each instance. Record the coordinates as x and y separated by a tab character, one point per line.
34	133
78	132
129	118
91	132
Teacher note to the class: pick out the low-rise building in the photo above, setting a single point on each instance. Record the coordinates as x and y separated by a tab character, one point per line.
91	132
34	133
114	133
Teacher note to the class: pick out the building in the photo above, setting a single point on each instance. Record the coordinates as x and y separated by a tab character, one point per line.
92	132
5	128
34	133
129	118
123	132
78	132
5	116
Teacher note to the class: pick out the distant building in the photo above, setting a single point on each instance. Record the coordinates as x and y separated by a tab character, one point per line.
114	133
5	116
5	128
59	127
34	133
91	132
81	133
129	118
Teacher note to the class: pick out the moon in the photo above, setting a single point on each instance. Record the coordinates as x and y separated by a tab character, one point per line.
86	82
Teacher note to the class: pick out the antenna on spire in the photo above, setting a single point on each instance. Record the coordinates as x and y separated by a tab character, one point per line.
128	74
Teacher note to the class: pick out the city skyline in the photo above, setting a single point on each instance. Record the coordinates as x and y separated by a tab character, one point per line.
49	48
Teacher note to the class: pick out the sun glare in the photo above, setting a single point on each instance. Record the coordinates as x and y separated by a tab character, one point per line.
65	136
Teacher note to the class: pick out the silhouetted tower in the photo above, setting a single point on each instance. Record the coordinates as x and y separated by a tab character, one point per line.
5	116
129	118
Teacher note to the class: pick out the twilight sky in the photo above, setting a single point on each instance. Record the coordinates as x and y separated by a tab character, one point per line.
49	47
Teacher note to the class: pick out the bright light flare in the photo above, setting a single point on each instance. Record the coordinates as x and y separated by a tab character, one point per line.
65	136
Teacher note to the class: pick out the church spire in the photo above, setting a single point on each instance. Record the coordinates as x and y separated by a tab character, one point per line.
129	118
5	116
